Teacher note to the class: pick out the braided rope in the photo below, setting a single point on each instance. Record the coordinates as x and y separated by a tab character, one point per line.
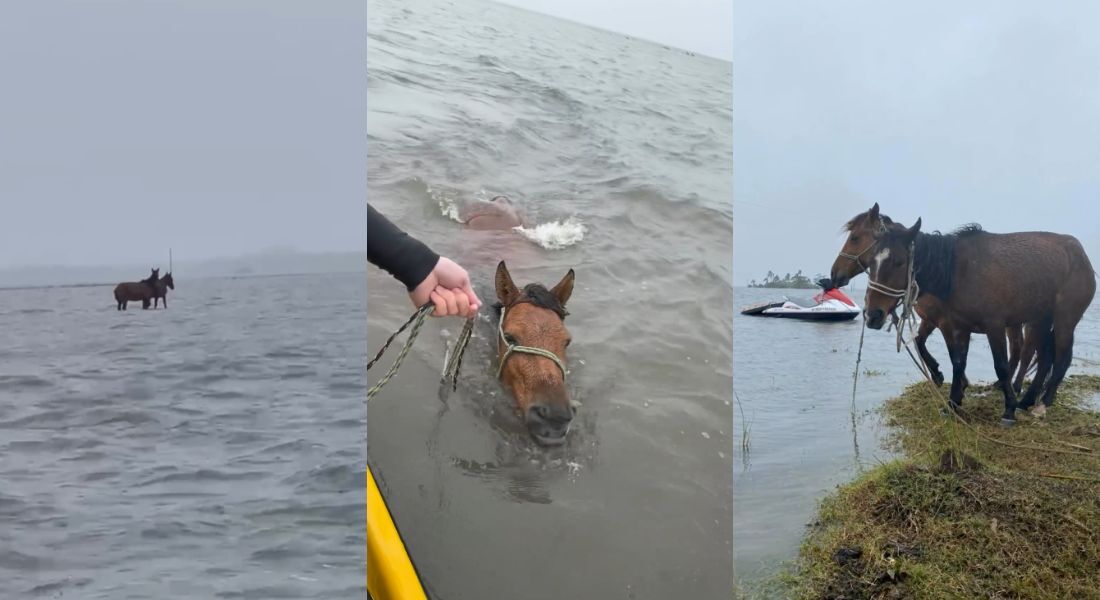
416	320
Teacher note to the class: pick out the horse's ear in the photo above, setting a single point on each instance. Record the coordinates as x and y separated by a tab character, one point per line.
564	289
506	288
912	232
873	213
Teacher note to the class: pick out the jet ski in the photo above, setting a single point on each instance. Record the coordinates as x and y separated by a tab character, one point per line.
829	305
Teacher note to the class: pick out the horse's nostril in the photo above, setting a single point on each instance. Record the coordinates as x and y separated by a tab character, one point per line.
542	410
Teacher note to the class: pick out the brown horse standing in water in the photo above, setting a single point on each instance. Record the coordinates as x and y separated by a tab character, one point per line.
987	282
864	231
133	291
161	289
531	343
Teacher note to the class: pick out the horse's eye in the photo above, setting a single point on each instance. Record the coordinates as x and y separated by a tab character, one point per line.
568	341
897	263
509	338
855	238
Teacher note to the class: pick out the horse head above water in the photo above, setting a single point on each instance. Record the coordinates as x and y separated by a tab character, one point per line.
531	344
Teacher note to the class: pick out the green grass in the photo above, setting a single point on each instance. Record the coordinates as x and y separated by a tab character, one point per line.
961	516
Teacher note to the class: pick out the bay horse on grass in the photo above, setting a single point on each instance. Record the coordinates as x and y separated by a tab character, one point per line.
133	291
531	343
864	231
161	289
987	282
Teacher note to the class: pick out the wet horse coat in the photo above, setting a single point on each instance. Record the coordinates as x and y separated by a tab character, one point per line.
987	282
133	291
496	214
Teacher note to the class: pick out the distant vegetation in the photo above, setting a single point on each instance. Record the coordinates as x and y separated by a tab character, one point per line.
796	281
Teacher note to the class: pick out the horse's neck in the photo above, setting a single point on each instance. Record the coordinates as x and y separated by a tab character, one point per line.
934	264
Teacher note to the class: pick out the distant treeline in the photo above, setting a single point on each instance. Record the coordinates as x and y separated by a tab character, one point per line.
796	281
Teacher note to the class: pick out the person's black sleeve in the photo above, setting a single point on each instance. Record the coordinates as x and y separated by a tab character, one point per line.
406	258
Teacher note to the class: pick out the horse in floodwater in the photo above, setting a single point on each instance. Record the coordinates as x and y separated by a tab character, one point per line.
987	282
133	291
498	213
864	231
531	343
161	289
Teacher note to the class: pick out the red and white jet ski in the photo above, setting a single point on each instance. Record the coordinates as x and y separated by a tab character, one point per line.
829	305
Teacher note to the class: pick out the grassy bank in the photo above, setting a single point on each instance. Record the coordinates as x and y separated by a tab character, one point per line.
961	515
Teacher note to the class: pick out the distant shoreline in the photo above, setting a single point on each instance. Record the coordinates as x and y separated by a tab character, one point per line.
13	288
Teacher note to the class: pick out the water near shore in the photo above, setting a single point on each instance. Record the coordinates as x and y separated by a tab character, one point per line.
794	380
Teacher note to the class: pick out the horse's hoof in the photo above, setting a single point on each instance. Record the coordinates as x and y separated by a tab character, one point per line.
1006	423
1039	411
937	378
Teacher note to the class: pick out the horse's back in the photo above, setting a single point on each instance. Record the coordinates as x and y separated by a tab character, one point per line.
1027	268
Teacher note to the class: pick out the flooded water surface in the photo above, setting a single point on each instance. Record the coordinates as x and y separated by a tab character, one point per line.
214	449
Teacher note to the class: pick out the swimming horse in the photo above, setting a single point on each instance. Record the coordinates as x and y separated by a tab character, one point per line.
531	343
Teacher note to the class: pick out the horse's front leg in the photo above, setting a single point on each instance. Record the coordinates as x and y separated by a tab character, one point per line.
926	328
958	343
999	346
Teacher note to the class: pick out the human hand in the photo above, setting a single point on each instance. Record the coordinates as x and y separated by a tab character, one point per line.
448	287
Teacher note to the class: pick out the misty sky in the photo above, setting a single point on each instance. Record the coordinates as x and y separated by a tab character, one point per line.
216	128
954	112
702	26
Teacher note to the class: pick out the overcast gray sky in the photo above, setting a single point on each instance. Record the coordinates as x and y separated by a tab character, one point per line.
702	26
955	112
214	127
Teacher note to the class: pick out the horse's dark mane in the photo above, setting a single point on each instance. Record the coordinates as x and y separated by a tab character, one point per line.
934	259
968	230
537	294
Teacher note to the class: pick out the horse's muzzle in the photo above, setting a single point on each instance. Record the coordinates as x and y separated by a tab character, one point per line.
875	318
549	423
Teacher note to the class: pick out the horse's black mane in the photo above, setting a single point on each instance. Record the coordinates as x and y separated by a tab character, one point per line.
934	259
537	294
968	229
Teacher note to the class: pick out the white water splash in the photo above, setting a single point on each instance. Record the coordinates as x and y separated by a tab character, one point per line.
448	205
556	234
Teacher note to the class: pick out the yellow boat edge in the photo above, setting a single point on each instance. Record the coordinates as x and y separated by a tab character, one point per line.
390	572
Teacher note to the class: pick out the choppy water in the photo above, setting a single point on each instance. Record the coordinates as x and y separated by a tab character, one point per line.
794	380
621	150
214	449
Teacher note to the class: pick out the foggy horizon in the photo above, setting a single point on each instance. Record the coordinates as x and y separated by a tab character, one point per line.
699	26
